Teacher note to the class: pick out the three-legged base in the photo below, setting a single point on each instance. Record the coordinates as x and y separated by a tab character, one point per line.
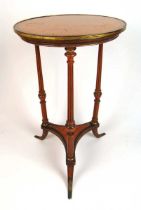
70	137
70	133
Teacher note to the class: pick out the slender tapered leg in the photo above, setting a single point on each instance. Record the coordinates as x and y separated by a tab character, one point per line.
97	94
42	94
70	123
70	161
70	53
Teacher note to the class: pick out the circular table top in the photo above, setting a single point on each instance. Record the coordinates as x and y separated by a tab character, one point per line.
63	30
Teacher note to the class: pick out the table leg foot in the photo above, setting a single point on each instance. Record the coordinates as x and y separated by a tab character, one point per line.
69	188
96	134
43	136
70	180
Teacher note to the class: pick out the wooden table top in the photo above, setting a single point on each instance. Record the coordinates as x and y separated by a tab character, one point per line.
63	30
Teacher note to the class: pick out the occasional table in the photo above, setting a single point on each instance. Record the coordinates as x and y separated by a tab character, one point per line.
69	31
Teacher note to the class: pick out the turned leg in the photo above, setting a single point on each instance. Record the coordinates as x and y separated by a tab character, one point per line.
70	123
70	161
42	94
97	94
70	53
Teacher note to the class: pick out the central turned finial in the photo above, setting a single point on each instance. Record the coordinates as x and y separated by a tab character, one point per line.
70	53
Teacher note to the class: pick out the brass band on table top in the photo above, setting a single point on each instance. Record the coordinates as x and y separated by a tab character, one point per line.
59	38
68	38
